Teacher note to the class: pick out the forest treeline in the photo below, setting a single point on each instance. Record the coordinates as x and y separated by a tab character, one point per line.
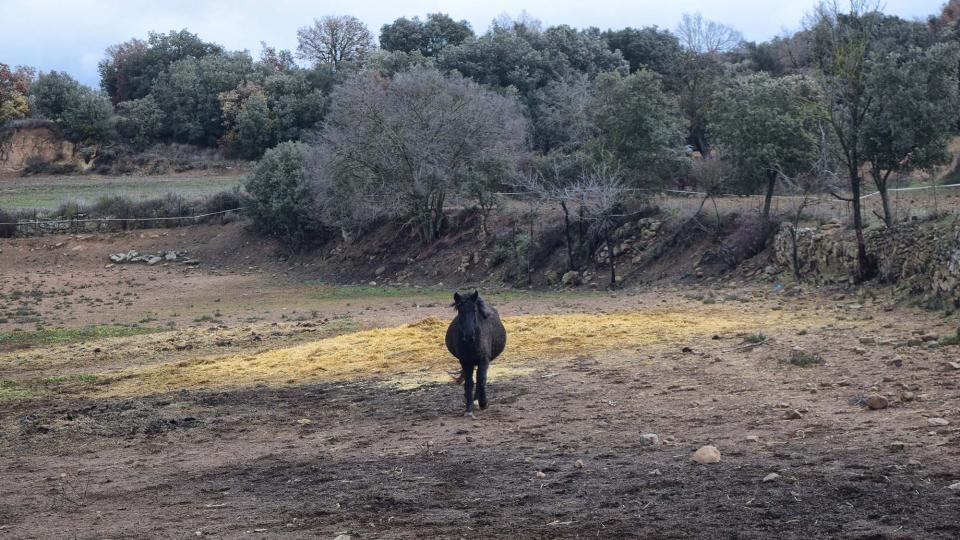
350	129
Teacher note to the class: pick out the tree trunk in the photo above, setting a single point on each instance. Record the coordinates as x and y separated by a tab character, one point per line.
880	181
571	265
771	184
610	259
865	268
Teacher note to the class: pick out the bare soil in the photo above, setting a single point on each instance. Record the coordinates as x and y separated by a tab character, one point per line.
371	459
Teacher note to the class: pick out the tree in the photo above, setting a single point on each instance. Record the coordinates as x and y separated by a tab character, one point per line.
335	41
429	38
131	68
188	93
14	87
601	192
396	148
139	121
85	115
764	127
909	128
280	198
650	47
705	36
640	125
843	43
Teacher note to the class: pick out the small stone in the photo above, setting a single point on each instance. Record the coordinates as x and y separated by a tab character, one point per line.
570	279
753	438
859	350
655	472
343	537
954	486
866	340
170	256
705	455
771	477
897	446
932	336
578	464
649	439
907	396
380	270
954	365
938	422
541	475
877	402
792	414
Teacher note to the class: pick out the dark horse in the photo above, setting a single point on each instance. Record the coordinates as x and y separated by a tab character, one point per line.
476	336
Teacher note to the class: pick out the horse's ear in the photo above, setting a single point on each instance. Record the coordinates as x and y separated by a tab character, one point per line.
457	298
475	296
484	309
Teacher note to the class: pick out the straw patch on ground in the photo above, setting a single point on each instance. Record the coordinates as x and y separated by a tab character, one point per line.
415	353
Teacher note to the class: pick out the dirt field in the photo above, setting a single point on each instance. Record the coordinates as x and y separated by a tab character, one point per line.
243	399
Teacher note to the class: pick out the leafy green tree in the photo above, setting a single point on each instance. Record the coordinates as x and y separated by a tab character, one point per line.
131	68
139	121
428	37
520	55
89	118
280	198
640	125
764	127
843	42
650	47
14	87
188	92
85	115
908	127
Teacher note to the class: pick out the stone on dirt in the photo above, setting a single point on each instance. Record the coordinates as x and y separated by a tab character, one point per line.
938	422
877	402
705	455
541	475
954	486
570	279
649	439
578	464
771	477
792	415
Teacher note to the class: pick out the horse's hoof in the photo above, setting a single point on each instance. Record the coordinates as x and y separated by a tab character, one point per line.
483	406
469	414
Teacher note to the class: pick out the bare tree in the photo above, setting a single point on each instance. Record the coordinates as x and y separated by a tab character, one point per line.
335	40
705	36
397	148
600	192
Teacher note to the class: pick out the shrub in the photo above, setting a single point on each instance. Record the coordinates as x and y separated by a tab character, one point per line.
8	224
280	199
38	165
799	357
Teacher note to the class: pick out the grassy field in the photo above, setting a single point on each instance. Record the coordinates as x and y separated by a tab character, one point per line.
47	192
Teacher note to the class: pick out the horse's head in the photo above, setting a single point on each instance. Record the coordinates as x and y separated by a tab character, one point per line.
471	310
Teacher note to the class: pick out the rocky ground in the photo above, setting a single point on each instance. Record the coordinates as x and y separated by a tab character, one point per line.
834	412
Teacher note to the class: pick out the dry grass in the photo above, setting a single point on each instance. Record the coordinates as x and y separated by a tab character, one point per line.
415	354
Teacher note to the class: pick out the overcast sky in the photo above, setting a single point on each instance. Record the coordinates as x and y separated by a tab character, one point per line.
71	35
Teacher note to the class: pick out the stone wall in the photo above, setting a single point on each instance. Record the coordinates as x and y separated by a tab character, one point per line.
919	259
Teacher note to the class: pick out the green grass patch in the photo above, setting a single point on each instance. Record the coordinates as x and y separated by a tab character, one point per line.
950	340
18	339
37	388
48	192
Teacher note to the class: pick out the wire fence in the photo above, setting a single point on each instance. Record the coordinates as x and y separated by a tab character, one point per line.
81	223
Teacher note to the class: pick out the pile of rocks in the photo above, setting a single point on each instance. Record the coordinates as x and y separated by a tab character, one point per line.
151	259
634	237
920	259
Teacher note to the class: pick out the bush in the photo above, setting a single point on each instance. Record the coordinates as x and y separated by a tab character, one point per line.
38	165
280	199
8	224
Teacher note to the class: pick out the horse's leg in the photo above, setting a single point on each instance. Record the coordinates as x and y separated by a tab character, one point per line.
468	389
482	384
